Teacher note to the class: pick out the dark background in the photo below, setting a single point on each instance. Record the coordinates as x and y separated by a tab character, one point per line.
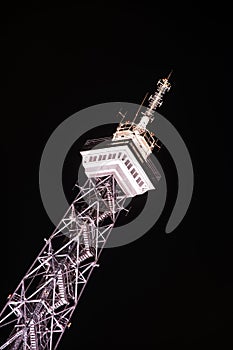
161	291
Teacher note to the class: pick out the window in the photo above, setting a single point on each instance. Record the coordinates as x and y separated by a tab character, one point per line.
124	157
109	156
100	157
141	183
138	180
104	157
128	164
91	159
135	175
114	156
94	158
133	171
119	155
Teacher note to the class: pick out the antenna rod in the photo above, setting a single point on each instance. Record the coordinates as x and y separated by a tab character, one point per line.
168	77
140	107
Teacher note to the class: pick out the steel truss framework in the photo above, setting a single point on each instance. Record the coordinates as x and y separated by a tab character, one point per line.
40	309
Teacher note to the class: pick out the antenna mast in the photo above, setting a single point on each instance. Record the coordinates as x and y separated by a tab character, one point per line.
155	101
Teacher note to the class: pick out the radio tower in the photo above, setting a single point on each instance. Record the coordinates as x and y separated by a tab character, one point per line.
40	309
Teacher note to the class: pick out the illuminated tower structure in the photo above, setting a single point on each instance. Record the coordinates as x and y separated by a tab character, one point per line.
39	310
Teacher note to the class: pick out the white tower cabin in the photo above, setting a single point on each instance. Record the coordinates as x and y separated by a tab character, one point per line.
126	156
38	312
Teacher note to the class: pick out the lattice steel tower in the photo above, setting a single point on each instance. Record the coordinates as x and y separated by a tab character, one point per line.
41	307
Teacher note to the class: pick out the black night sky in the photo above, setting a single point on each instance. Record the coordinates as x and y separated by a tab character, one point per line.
161	291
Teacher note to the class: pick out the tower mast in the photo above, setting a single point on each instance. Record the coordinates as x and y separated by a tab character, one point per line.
39	310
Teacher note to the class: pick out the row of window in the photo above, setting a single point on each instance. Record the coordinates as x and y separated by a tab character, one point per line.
105	157
118	156
133	172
